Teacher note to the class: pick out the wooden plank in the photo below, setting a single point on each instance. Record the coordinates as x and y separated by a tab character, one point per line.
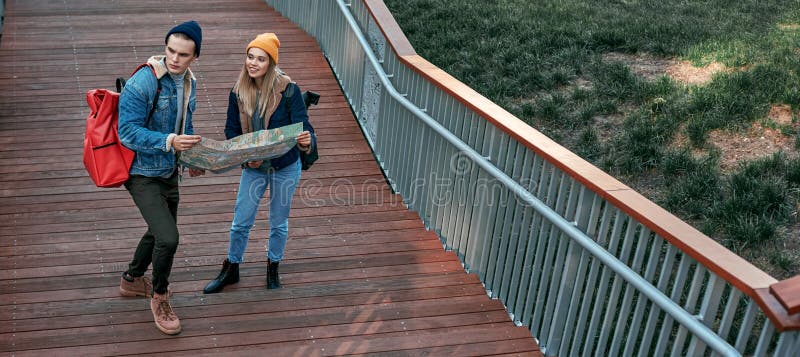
303	206
59	260
238	317
381	342
113	305
314	302
347	339
132	222
517	348
32	290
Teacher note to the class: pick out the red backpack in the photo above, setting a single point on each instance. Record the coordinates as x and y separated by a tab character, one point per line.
107	161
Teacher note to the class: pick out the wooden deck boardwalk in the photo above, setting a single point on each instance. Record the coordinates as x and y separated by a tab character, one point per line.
361	274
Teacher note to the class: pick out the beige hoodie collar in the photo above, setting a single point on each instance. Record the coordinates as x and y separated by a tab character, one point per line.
158	64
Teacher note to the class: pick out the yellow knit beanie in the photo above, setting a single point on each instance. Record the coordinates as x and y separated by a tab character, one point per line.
267	42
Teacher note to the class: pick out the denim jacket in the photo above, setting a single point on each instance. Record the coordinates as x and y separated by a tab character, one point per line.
148	136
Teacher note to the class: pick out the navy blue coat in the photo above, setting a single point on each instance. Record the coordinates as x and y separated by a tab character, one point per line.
299	114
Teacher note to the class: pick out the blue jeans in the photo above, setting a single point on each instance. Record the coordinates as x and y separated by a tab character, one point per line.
252	186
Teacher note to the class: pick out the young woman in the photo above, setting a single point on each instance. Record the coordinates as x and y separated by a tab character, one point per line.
263	98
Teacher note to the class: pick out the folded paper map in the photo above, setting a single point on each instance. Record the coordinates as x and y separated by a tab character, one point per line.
220	156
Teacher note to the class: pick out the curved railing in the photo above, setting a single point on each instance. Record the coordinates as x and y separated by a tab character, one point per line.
588	264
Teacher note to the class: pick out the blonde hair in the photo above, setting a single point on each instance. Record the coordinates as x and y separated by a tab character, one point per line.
247	90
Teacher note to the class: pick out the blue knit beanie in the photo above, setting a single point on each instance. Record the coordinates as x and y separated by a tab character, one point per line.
192	29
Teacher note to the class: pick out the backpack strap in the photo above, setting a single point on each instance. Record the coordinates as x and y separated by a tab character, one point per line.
309	98
288	94
120	83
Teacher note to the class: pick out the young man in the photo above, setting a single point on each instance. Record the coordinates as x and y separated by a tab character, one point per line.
158	132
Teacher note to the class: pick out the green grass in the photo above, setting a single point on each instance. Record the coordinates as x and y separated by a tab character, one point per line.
692	184
544	62
755	201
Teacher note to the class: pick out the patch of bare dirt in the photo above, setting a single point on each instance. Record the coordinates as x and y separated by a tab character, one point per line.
651	67
780	114
756	142
685	72
580	83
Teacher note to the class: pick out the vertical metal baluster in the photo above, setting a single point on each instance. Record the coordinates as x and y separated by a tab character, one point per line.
414	173
616	289
523	228
538	177
641	303
586	217
423	182
729	314
689	305
764	339
546	250
464	209
404	175
788	344
677	290
555	271
482	212
746	326
460	177
506	254
652	319
579	337
601	298
640	240
493	222
439	175
487	217
708	310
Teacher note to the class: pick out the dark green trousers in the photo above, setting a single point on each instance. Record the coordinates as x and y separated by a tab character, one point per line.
157	200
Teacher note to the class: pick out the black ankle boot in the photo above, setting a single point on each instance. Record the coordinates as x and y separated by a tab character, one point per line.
228	275
273	280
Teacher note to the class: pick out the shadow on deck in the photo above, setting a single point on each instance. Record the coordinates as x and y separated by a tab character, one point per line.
361	273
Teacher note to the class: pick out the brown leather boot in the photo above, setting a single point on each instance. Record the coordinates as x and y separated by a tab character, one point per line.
139	286
165	318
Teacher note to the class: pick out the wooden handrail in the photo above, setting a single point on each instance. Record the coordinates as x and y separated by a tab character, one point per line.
742	274
788	294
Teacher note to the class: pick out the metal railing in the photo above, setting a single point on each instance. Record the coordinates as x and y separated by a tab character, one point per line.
591	267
